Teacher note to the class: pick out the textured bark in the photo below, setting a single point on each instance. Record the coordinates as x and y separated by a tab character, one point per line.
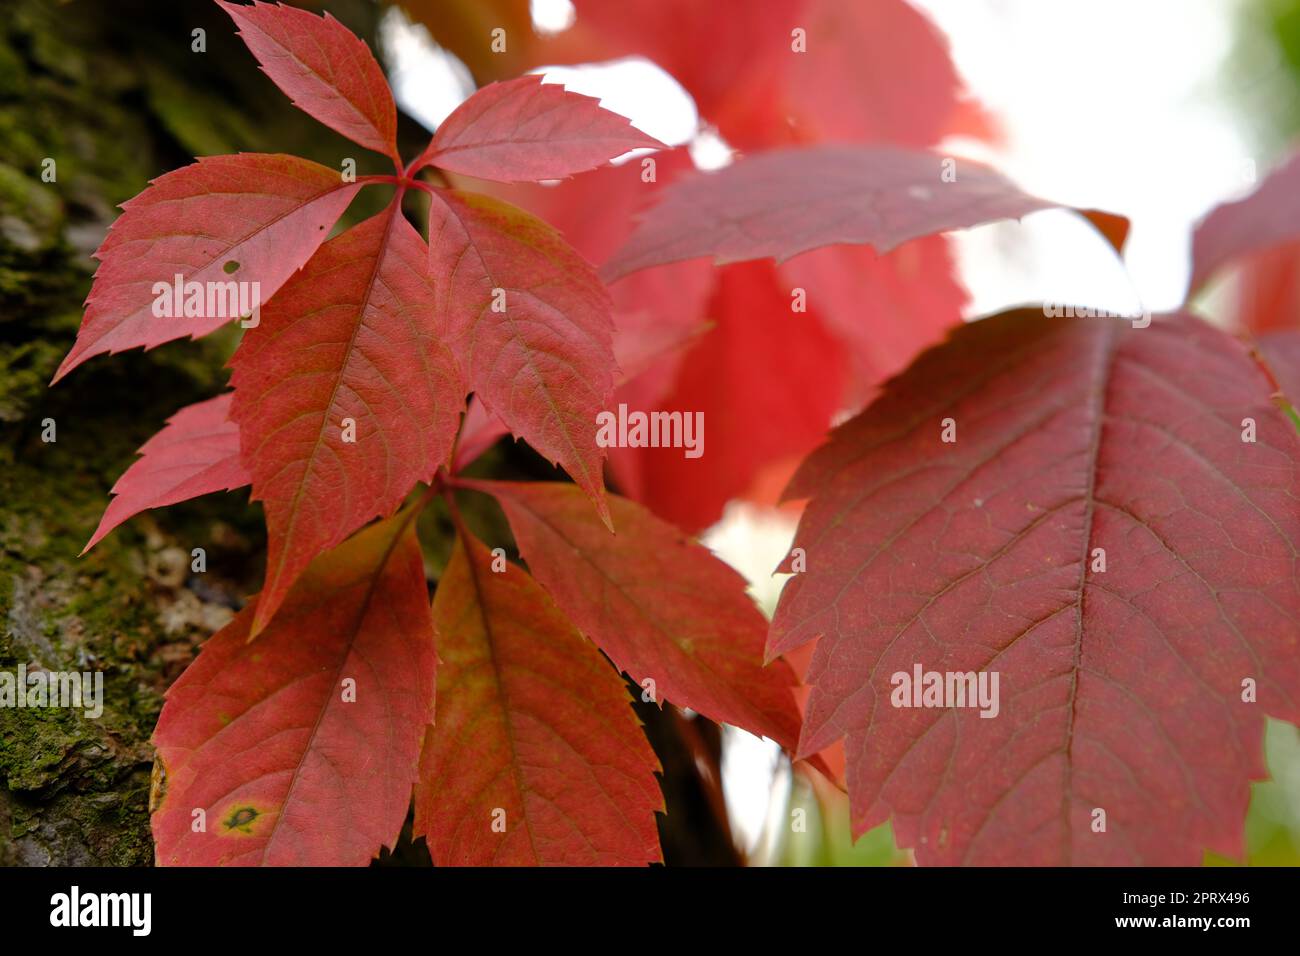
115	95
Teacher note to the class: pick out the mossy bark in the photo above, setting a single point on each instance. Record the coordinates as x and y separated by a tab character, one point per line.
115	95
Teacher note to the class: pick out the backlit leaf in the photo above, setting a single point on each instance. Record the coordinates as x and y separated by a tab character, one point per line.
524	130
254	218
1268	217
197	452
322	66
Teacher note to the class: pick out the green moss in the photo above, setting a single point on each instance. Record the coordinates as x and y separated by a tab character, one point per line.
116	97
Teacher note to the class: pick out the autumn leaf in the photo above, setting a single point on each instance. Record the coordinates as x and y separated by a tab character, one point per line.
1267	218
530	324
783	202
1266	295
847	86
196	453
1281	352
324	68
1113	539
345	395
881	310
768	354
854	72
638	353
536	757
661	606
301	748
656	312
253	218
766	381
524	130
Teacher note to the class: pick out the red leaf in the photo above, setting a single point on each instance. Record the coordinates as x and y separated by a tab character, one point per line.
263	736
877	71
326	70
352	337
873	72
656	311
196	453
480	431
1267	293
883	309
783	202
717	56
877	312
530	324
1112	227
1119	690
660	605
525	131
1281	351
638	352
535	733
265	213
767	382
1267	217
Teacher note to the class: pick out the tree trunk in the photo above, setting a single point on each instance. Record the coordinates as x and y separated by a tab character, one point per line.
107	96
115	95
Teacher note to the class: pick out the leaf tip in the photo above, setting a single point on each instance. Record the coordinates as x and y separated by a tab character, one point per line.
602	509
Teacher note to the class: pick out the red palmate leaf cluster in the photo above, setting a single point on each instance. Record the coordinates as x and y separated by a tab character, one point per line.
1102	514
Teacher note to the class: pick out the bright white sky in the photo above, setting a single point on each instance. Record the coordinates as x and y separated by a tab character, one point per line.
1111	104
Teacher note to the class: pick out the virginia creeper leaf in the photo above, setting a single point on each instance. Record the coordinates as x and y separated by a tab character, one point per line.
344	394
480	431
786	201
659	604
196	452
530	324
1112	227
1266	294
743	372
1080	445
302	748
882	309
767	383
324	68
636	352
1267	217
876	72
535	734
656	311
253	218
524	130
1281	351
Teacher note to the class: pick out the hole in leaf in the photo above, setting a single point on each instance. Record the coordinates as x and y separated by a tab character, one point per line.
230	267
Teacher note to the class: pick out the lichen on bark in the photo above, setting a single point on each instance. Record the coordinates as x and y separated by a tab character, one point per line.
115	95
